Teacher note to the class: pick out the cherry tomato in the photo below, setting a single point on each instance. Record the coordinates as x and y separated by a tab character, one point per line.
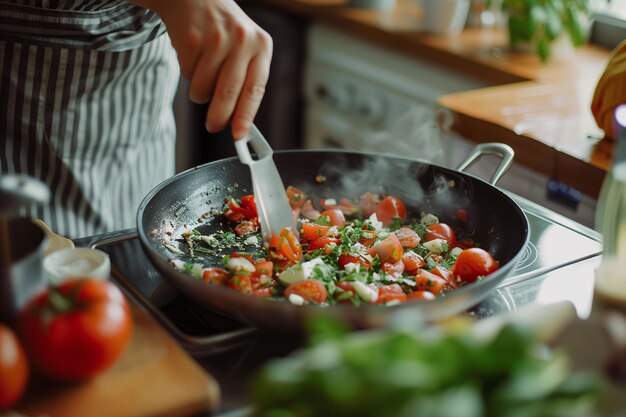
78	329
345	292
395	269
241	283
368	238
392	292
285	246
312	231
427	281
322	242
346	258
311	290
215	275
421	295
388	250
246	212
335	217
473	263
14	368
412	262
296	196
445	274
408	237
389	209
247	227
441	231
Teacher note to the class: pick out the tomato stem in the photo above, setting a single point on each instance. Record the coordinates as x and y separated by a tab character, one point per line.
59	302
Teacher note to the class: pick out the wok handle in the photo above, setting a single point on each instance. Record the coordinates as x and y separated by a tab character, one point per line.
492	148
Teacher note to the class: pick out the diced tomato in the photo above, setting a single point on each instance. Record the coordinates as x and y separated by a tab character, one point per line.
461	214
368	238
427	281
312	231
394	269
389	209
421	295
238	209
242	255
262	292
392	292
445	274
248	203
335	217
389	250
215	275
368	204
346	258
296	196
311	290
323	242
345	287
241	283
474	263
309	211
408	237
285	246
232	216
247	227
264	268
441	231
345	205
412	262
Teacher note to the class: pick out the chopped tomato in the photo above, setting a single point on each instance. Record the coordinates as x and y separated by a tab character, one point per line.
241	283
262	292
232	216
346	258
285	246
345	205
264	268
408	237
473	263
345	287
368	204
335	217
296	196
389	250
445	274
246	212
311	290
312	231
323	242
309	211
395	269
248	203
412	262
389	209
242	255
421	295
368	238
427	281
215	275
391	292
441	231
247	227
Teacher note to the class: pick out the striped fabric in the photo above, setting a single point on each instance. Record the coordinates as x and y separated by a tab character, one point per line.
94	121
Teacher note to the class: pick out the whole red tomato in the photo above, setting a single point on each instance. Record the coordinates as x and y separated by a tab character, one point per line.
78	329
474	263
13	368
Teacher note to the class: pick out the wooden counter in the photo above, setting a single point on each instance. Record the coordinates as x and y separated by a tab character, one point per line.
540	109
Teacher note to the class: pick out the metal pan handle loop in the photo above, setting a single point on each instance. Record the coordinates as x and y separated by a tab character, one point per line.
492	148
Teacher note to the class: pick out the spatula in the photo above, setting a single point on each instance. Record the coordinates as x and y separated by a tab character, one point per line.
269	192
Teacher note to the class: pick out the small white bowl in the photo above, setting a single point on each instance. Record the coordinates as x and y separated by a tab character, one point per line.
76	262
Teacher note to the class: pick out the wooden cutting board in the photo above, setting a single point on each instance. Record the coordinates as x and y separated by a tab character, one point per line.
154	377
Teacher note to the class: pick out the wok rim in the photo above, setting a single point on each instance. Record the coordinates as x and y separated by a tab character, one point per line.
170	273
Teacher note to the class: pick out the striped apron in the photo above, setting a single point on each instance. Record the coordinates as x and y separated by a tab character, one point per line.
86	92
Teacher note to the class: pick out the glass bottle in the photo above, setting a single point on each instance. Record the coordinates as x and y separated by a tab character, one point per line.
611	210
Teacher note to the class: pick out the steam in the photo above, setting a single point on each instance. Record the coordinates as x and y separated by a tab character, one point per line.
401	162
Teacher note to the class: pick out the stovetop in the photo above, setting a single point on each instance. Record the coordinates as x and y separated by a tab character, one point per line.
557	265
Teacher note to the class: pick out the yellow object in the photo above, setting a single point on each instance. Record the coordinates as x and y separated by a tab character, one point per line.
610	91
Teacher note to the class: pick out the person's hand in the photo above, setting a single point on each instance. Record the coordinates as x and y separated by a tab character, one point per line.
224	54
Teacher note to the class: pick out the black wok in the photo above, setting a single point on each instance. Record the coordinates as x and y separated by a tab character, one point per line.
494	221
